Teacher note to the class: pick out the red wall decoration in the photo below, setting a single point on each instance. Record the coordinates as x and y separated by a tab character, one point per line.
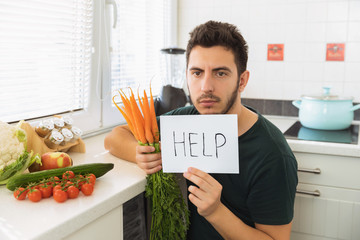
275	52
335	51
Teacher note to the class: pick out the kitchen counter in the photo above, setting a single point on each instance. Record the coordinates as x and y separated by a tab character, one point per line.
48	219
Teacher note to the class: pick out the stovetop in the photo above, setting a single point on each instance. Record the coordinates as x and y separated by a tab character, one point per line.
299	132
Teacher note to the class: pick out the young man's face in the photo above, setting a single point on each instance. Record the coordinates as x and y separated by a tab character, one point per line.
213	80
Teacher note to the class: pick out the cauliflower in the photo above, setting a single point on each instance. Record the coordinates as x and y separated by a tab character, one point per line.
14	158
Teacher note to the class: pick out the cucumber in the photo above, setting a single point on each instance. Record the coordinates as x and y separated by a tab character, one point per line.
98	169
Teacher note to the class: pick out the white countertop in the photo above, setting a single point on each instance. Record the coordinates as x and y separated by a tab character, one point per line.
48	219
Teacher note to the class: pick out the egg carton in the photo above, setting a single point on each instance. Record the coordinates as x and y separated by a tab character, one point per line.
38	144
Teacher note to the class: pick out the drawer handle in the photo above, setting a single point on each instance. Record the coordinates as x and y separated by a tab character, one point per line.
315	193
307	170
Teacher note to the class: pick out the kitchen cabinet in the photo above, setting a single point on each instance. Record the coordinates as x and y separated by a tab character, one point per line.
108	226
329	205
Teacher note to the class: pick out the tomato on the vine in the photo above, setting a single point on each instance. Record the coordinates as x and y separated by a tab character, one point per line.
53	181
46	191
68	184
92	178
56	188
68	175
20	193
34	195
60	196
31	187
68	187
87	189
73	192
56	179
81	181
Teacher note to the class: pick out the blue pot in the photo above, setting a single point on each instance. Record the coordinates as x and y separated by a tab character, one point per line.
326	112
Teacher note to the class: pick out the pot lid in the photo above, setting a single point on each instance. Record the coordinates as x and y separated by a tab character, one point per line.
326	96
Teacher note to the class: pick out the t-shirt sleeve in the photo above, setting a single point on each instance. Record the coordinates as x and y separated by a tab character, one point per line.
272	195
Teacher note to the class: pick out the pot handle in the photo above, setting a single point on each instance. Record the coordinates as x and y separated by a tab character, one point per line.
356	107
297	103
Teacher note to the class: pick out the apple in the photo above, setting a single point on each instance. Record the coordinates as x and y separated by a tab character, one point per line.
52	160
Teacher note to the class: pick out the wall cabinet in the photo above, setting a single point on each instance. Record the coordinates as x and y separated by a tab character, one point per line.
328	206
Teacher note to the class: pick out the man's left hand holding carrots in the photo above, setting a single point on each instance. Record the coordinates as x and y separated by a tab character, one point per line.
147	160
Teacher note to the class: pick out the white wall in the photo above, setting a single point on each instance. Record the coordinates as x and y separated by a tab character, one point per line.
304	26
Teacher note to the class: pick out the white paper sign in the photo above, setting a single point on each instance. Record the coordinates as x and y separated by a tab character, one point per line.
206	142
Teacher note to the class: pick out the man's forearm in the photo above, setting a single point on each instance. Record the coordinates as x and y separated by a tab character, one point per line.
121	143
229	226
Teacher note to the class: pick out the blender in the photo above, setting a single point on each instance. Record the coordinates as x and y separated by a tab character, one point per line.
172	94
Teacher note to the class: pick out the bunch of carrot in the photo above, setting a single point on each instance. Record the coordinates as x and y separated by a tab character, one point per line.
169	213
143	125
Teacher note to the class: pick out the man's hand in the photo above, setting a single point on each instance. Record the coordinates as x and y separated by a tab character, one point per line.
206	197
148	161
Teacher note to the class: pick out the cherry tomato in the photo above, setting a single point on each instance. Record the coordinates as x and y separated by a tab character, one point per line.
20	193
81	181
56	179
34	195
46	191
34	187
53	181
60	196
68	183
87	189
68	175
73	192
56	188
92	178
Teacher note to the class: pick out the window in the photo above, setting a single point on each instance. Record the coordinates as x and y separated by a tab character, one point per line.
45	57
67	57
142	29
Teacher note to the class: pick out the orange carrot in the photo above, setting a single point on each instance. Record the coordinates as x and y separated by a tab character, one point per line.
154	126
146	111
127	105
129	113
129	122
138	119
136	109
142	123
126	102
141	104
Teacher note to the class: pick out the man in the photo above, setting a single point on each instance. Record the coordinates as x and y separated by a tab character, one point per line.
258	202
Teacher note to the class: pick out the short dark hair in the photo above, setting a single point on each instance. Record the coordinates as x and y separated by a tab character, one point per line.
214	33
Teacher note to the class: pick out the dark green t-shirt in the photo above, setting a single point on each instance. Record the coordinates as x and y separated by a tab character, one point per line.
264	190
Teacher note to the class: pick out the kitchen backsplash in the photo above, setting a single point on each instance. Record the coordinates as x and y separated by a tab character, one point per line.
305	27
279	107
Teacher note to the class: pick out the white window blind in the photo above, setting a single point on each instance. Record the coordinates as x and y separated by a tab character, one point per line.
45	57
143	29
